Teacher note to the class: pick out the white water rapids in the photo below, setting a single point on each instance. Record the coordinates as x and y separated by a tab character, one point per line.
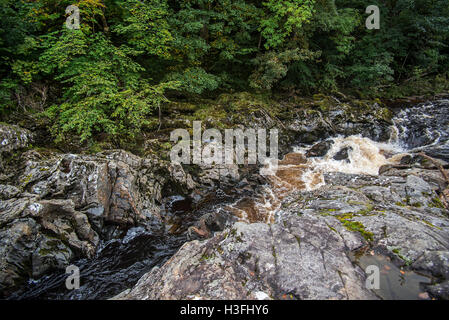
414	129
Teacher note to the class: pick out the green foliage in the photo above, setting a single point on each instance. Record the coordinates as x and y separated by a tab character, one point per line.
283	19
273	66
195	80
145	27
104	90
112	74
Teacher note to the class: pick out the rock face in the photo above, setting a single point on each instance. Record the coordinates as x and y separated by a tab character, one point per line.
12	138
305	254
319	149
426	125
343	154
328	116
55	208
299	260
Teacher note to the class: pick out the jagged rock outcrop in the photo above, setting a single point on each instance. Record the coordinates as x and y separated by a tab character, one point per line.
328	116
57	207
306	253
302	260
12	138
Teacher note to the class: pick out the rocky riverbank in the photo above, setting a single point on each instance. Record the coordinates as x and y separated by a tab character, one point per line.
332	205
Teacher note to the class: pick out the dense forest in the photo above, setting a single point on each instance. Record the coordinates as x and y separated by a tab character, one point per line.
100	198
129	57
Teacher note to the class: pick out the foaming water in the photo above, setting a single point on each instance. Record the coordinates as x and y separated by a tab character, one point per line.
421	128
297	172
424	128
364	156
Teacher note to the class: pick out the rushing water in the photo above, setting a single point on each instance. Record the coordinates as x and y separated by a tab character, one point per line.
423	128
120	263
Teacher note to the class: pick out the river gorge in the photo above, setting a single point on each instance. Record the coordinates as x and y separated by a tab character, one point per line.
356	185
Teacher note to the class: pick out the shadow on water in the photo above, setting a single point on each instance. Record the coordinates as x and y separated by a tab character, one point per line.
116	267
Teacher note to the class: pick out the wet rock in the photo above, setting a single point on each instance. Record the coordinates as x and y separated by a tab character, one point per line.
41	235
320	149
296	261
407	159
60	218
424	126
343	154
115	188
420	162
435	262
440	290
418	191
209	223
121	295
13	209
304	254
17	242
332	117
51	254
87	198
218	175
8	192
13	138
117	265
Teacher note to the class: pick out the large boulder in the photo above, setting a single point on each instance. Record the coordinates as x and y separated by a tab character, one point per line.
249	261
115	188
312	249
57	207
13	137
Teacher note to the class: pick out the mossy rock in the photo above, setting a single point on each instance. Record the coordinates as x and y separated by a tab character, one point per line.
183	107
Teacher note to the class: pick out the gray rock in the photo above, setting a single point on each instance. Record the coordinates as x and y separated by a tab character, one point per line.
51	254
115	187
343	154
16	243
8	192
89	198
435	262
320	149
304	254
417	190
60	218
13	138
332	117
440	290
302	260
